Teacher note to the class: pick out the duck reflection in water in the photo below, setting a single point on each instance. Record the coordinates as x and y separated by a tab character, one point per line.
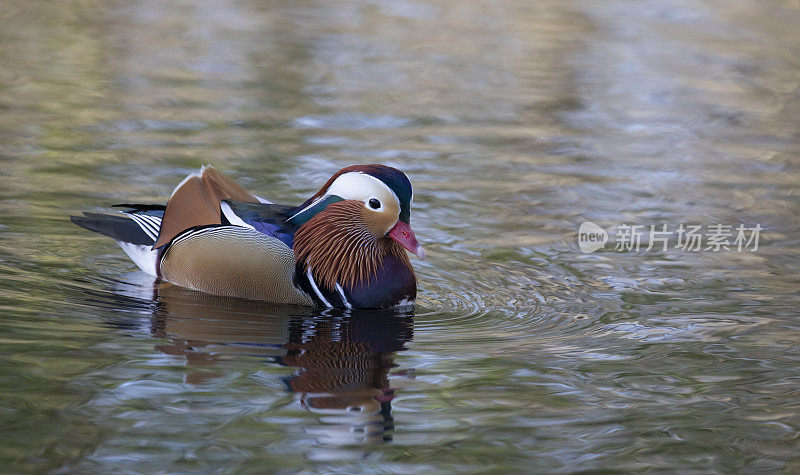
343	359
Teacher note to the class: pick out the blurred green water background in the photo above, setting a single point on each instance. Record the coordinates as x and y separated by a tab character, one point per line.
516	121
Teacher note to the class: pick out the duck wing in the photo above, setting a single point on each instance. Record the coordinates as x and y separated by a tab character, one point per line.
267	218
196	202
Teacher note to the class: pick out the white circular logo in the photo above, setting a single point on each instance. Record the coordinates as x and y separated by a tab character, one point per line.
591	237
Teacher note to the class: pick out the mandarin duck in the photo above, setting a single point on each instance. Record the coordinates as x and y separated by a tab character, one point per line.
343	247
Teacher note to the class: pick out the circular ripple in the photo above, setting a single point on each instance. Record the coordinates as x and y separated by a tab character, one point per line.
514	298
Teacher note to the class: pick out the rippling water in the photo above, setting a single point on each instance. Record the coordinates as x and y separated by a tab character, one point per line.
517	121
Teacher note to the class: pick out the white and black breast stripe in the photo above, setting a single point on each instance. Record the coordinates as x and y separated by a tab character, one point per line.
342	296
316	289
325	296
149	224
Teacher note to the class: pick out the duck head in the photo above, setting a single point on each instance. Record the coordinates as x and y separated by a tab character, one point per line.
359	216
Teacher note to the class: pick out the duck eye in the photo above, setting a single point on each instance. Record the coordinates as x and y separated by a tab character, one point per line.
374	204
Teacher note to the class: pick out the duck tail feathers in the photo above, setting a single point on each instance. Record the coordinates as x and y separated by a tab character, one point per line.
135	233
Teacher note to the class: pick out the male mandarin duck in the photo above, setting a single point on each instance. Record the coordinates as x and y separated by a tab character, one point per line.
342	248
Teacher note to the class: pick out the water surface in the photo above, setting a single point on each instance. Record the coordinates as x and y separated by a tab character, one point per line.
516	121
